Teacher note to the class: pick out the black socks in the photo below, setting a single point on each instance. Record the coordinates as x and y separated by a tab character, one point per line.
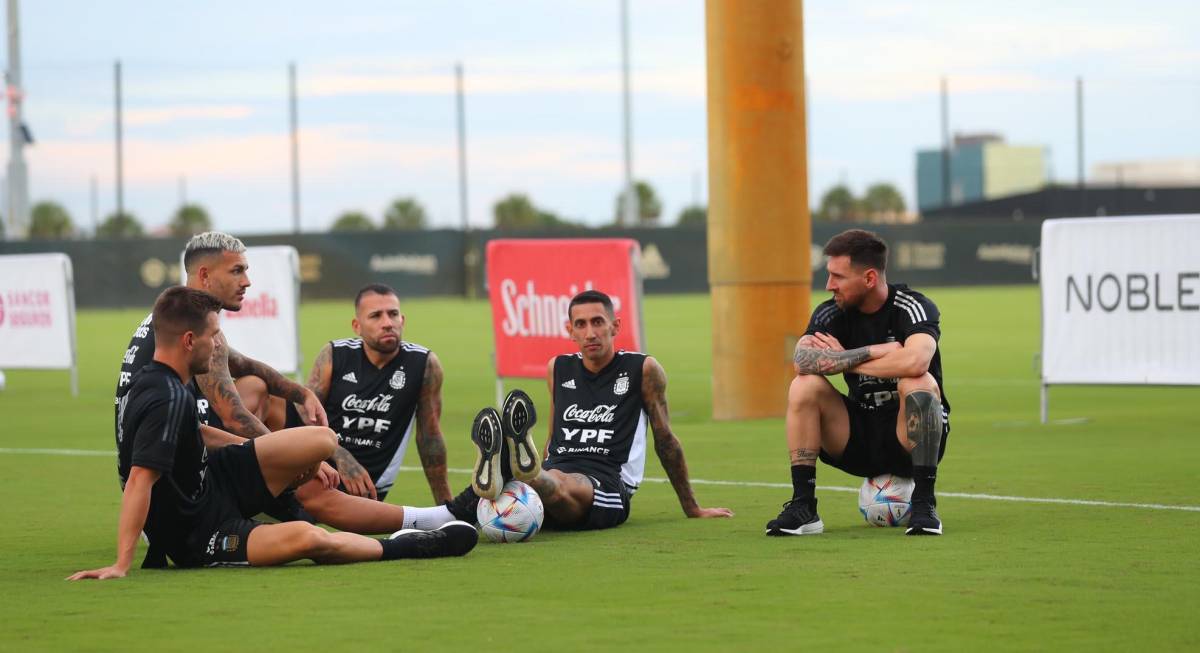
924	478
804	482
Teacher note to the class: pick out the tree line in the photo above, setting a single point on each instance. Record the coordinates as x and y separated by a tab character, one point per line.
50	220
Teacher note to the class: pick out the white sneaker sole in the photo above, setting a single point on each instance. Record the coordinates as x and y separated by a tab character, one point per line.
811	528
485	476
523	456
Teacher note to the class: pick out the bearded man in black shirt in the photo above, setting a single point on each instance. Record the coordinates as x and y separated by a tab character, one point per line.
883	339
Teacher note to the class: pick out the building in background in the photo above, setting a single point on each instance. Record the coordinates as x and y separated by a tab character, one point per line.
1075	202
1147	172
982	167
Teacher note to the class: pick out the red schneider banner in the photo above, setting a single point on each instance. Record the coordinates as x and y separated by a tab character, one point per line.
531	282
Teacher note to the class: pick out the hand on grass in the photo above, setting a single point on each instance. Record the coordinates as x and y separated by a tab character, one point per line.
104	573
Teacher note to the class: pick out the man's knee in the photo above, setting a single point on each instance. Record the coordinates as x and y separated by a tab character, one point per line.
321	441
807	390
914	383
313	542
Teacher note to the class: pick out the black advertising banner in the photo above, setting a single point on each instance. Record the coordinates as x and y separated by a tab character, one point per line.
131	273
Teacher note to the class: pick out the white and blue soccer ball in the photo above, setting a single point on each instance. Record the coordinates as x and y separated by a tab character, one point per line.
886	500
514	517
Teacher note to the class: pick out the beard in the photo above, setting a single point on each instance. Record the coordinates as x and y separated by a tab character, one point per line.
199	366
384	346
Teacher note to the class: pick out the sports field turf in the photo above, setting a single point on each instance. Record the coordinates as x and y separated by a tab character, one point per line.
1008	575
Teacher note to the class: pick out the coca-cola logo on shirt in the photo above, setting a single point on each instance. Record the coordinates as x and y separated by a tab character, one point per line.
601	413
381	403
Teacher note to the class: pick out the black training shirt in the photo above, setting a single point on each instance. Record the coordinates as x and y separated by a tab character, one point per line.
905	313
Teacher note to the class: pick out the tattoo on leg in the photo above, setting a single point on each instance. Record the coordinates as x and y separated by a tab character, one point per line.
546	485
923	415
804	456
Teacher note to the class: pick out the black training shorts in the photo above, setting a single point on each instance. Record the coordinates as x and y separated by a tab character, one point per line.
873	447
236	491
611	500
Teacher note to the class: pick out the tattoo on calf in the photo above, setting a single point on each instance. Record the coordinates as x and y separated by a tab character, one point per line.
923	418
804	456
825	361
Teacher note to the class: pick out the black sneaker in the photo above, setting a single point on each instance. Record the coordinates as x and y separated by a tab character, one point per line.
516	421
463	506
924	519
486	434
799	517
454	538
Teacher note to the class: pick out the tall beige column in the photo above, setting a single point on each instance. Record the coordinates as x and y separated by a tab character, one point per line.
758	216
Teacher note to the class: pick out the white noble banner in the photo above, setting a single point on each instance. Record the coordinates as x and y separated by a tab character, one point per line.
267	328
37	312
1121	300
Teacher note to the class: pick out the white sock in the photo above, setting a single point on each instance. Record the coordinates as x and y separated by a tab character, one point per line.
426	518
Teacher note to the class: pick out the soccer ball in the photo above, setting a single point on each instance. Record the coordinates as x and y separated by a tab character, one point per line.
1	380
886	500
515	517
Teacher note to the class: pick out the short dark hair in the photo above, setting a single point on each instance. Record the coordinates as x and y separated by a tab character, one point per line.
591	297
374	289
180	309
208	244
865	248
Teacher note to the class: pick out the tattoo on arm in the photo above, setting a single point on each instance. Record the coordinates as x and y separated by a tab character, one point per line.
347	464
320	369
825	362
666	445
804	456
277	384
431	446
217	386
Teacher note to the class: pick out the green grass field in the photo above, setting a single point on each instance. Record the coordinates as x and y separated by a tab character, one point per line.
1008	575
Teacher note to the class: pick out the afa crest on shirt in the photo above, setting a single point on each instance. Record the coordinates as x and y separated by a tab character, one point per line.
622	385
397	380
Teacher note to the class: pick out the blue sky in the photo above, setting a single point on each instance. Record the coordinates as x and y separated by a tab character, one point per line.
205	98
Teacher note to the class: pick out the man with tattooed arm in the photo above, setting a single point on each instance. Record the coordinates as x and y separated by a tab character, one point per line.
216	263
381	393
601	402
883	339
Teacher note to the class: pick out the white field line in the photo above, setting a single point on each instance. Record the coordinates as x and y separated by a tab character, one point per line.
700	481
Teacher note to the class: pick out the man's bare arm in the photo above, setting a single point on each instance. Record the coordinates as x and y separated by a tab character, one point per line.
811	357
352	474
666	445
430	443
549	422
321	374
135	506
910	360
278	385
218	387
